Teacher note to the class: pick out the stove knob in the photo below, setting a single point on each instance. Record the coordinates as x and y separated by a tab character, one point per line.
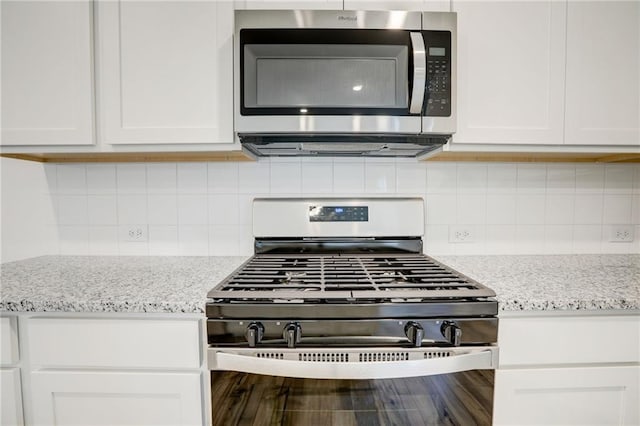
414	332
292	334
451	332
254	333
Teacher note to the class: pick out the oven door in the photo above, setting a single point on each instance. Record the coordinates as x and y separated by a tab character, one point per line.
357	386
323	72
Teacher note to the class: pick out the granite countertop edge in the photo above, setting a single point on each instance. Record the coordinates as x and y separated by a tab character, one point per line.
77	284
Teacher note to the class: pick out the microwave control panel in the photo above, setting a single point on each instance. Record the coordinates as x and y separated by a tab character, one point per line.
437	97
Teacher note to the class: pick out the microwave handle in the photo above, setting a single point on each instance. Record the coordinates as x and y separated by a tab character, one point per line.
419	72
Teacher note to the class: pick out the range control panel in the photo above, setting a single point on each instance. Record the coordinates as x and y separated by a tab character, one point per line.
437	95
338	213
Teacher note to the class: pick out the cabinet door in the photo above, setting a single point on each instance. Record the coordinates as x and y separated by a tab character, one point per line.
510	71
165	71
109	398
603	73
414	5
10	400
567	396
289	4
47	87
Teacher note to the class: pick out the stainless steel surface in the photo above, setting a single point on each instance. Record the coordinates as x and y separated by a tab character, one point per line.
385	331
337	245
328	19
419	72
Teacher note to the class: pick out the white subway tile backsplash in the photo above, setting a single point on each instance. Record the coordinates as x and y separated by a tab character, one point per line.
103	240
101	179
589	178
561	178
193	240
588	209
72	210
224	209
531	178
380	177
161	178
162	209
501	178
193	210
618	179
617	209
472	178
441	178
530	209
192	178
348	177
253	177
163	240
559	209
411	178
206	208
71	179
471	209
132	209
286	177
501	209
103	209
317	178
223	177
131	178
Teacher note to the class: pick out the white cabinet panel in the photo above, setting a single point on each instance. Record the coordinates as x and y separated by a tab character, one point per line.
510	71
8	341
114	343
10	397
415	5
165	71
289	4
570	396
603	73
47	87
82	398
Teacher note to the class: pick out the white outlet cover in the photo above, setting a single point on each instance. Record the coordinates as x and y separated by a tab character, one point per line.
621	234
134	233
461	234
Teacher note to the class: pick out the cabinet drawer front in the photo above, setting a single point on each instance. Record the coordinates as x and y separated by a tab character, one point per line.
117	343
8	341
563	340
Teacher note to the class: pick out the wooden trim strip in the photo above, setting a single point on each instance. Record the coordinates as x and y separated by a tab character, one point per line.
128	157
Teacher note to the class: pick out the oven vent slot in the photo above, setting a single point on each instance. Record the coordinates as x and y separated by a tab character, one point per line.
270	355
323	357
383	356
438	354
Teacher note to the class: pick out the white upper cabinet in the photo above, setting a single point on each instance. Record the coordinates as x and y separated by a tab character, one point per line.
414	5
47	87
165	72
289	4
603	73
510	71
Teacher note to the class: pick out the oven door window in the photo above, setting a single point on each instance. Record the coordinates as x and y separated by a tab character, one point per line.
320	72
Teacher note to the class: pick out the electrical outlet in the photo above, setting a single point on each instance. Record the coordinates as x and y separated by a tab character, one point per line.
135	233
621	234
460	234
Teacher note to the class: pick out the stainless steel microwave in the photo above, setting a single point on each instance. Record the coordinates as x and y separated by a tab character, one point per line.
344	82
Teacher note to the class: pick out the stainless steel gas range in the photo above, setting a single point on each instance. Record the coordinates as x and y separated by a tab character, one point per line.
339	289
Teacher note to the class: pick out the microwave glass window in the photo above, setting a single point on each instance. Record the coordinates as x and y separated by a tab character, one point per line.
325	76
437	51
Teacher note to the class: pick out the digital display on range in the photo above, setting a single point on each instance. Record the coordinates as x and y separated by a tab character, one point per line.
338	214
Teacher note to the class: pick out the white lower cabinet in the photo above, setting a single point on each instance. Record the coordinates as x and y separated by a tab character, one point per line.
10	394
116	398
567	396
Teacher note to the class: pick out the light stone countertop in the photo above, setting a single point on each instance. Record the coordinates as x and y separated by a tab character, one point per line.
180	284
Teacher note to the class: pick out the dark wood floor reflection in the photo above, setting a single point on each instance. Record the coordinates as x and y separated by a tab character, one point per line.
452	399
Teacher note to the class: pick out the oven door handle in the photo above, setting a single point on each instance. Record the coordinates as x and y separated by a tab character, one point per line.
478	360
419	72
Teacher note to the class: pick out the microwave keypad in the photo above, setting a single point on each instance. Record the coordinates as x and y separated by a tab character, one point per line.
438	90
